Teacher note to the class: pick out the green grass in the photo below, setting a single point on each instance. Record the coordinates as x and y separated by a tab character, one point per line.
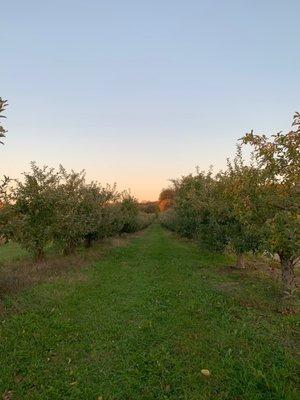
141	324
11	252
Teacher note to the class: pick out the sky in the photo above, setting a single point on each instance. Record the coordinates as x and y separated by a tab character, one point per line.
139	92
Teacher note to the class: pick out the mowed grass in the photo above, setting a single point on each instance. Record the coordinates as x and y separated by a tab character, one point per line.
142	322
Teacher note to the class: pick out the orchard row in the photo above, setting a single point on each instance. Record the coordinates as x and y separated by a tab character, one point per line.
61	208
249	207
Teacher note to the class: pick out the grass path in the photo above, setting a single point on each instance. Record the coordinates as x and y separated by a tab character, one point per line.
141	324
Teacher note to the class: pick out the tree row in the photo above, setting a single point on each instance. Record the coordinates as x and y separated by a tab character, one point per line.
250	206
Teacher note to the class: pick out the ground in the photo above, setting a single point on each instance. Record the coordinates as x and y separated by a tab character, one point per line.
141	322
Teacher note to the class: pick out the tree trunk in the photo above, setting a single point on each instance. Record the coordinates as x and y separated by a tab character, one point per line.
288	276
87	242
240	261
39	255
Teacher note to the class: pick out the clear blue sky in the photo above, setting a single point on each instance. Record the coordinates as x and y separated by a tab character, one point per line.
137	92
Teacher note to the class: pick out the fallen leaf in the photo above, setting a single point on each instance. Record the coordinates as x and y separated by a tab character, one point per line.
205	372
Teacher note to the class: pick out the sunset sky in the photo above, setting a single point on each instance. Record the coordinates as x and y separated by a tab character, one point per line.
138	92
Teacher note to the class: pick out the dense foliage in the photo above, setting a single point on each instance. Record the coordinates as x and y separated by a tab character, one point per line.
252	207
60	207
149	207
165	200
